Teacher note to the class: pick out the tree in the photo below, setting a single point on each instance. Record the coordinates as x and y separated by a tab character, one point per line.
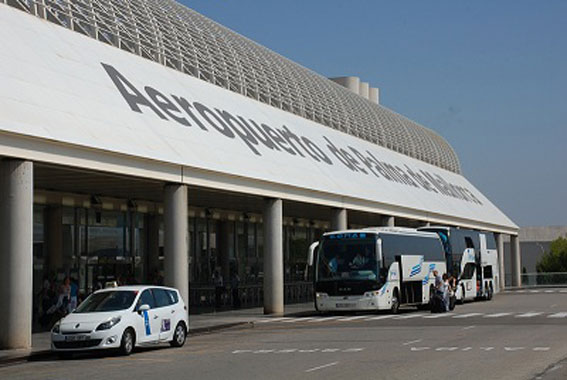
556	259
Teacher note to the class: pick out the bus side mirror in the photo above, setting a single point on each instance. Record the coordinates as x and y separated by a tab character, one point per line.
311	253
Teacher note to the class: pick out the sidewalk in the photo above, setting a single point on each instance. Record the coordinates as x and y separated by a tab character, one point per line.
198	324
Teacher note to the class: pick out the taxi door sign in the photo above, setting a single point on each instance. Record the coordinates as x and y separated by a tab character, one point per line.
147	323
165	325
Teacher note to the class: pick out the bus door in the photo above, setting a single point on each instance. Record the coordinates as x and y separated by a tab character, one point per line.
412	273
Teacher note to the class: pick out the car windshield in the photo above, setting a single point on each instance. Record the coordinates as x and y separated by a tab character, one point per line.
107	301
348	257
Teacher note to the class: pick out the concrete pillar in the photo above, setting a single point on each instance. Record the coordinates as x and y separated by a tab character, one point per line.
374	95
153	245
515	260
16	254
54	238
176	239
273	257
352	83
501	269
363	89
388	221
339	219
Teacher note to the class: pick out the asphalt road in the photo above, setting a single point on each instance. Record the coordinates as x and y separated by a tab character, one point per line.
520	335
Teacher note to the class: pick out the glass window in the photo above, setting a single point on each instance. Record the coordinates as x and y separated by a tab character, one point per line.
396	245
174	297
107	301
347	257
468	272
147	298
468	242
162	297
488	271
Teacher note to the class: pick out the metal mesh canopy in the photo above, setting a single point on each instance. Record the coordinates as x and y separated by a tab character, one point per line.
178	37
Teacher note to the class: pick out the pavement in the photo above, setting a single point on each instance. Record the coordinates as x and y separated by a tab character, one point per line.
198	324
520	334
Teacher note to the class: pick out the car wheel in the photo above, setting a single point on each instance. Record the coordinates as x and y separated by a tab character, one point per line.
395	308
179	335
127	342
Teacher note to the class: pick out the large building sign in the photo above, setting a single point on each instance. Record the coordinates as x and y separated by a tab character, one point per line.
60	86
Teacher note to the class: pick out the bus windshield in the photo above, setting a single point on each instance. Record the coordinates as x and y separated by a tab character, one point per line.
348	256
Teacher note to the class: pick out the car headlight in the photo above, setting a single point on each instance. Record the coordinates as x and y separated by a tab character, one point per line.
321	295
108	324
56	329
372	293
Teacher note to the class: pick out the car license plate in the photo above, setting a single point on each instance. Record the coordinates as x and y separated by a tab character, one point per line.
344	305
76	338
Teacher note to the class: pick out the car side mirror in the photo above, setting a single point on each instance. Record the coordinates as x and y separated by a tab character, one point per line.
144	307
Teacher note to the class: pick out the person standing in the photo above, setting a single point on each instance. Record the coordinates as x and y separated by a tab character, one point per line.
219	287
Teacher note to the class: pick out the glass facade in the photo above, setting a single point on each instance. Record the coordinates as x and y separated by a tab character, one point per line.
94	247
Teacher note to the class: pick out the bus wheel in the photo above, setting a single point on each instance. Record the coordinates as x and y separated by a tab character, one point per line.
395	308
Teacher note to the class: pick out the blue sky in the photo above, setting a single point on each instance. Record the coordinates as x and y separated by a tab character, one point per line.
489	76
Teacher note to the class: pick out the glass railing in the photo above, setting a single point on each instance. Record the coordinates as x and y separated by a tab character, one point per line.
544	279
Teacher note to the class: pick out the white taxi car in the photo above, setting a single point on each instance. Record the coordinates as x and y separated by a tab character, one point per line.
122	318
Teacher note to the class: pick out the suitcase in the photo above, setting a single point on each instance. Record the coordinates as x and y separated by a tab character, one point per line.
437	304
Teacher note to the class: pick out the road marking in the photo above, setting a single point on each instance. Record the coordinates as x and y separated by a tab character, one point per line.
534	291
521	291
563	291
496	315
446	348
420	348
331	350
487	348
379	317
469	327
466	349
467	315
278	319
263	351
308	351
558	315
529	315
435	316
409	316
353	318
550	291
240	351
323	319
512	349
542	348
286	351
353	350
321	367
302	319
412	342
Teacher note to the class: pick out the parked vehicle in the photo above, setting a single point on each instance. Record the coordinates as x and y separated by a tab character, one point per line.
472	259
123	318
375	268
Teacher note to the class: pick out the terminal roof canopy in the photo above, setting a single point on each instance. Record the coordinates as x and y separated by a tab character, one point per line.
71	91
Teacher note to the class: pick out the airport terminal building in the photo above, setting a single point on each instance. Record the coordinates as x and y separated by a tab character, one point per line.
142	142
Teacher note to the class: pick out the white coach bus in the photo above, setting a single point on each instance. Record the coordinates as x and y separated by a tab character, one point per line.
375	268
472	259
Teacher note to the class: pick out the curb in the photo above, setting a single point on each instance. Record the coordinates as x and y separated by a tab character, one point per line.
43	354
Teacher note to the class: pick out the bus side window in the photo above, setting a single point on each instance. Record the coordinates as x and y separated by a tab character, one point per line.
469	243
468	271
488	271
